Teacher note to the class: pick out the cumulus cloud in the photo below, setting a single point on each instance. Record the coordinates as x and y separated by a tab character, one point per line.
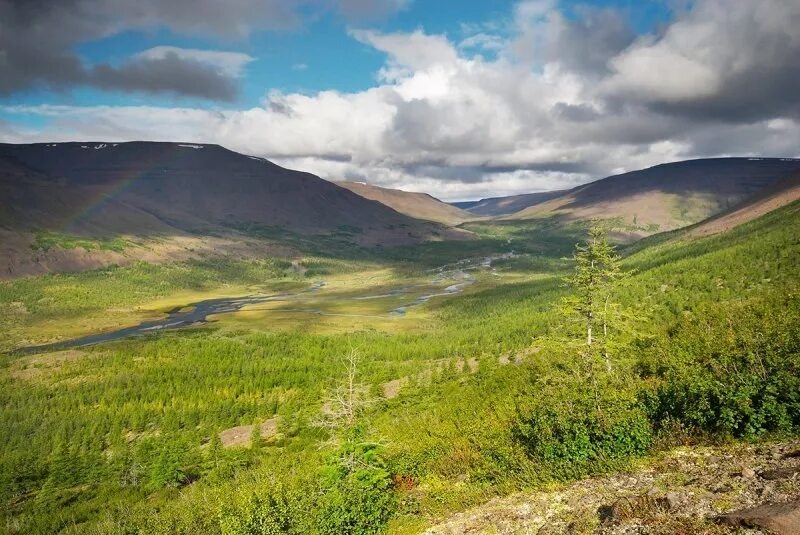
735	61
169	73
444	119
583	43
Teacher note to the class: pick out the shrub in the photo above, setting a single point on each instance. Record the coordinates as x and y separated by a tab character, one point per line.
358	494
739	382
276	512
572	432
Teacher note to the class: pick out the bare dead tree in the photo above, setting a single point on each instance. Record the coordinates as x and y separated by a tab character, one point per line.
341	410
347	400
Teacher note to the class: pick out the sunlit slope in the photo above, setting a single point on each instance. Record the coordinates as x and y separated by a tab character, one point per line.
416	205
667	196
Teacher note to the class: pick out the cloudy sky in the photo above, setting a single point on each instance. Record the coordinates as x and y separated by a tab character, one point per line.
460	99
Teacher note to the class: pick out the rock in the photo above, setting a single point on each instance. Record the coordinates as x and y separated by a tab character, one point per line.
782	519
673	500
609	513
748	473
767	491
780	473
722	489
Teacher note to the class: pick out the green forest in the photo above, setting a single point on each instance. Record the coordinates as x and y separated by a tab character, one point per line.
387	425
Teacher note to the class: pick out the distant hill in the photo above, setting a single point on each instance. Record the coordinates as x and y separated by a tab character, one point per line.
416	205
667	196
496	206
173	190
771	198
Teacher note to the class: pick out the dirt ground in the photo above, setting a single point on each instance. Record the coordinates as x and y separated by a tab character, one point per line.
240	436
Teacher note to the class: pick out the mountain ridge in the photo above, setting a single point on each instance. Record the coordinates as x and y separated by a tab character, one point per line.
666	196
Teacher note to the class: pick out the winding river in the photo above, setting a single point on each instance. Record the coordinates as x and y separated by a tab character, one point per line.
199	312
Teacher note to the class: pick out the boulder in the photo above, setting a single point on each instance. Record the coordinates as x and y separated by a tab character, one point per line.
782	519
780	473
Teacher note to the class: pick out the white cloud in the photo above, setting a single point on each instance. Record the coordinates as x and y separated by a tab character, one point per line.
484	41
730	59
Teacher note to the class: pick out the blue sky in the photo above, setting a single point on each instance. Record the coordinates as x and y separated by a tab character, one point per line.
459	99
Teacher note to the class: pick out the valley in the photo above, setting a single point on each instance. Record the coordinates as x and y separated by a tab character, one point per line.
399	267
197	391
366	299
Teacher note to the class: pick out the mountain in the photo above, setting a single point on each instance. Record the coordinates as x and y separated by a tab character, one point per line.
416	205
496	206
667	196
163	192
771	198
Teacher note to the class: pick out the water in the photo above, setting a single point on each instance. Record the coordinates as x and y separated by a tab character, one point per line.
198	313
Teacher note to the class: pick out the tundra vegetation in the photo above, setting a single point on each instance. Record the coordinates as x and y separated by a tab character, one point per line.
547	368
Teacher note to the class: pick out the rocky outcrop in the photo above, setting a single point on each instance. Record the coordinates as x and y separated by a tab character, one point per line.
688	490
782	519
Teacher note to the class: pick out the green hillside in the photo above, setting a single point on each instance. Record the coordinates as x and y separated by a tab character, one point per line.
464	396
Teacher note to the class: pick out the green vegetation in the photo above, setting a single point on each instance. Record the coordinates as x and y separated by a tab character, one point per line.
45	240
41	308
481	398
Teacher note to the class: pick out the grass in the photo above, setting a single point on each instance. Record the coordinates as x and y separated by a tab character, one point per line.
65	305
45	240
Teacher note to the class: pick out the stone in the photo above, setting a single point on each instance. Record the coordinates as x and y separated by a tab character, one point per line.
609	513
673	500
722	489
748	473
781	519
780	473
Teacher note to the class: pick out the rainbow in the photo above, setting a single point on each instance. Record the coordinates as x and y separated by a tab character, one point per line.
116	186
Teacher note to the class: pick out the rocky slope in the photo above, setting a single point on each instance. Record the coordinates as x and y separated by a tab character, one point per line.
690	490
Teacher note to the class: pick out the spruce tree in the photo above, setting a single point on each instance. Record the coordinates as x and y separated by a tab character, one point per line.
214	451
255	437
597	271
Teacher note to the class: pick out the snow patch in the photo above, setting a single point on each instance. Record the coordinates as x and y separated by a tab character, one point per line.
100	146
191	146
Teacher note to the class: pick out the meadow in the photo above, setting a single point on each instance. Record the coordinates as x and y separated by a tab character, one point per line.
471	395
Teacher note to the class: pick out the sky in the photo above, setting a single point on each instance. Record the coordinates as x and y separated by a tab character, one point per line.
463	100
